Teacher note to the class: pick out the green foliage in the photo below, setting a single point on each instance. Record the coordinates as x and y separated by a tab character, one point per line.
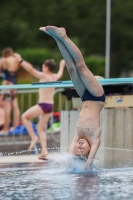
37	56
96	64
84	20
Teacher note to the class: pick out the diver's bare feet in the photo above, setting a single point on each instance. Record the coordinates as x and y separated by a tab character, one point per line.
32	143
58	32
43	29
43	154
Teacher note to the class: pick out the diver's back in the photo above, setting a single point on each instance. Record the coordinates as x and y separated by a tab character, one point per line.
11	64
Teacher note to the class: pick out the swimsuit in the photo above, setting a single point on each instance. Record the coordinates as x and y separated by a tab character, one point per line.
9	76
11	95
88	96
46	107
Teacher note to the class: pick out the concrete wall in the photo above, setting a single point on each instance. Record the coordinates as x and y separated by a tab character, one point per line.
116	147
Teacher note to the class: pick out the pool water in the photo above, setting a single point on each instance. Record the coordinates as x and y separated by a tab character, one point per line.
51	181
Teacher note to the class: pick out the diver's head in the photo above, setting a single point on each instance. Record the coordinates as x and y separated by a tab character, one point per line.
50	64
82	147
7	52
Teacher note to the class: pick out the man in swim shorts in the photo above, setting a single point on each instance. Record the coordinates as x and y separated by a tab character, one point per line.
45	103
87	135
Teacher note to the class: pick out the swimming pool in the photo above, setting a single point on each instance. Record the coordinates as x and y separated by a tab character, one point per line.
51	181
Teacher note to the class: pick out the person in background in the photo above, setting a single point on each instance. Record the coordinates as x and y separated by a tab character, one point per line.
87	135
2	114
9	65
45	104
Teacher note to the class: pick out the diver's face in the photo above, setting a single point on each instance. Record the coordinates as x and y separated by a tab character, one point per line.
82	148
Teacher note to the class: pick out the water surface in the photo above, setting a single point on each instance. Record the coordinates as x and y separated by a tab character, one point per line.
40	181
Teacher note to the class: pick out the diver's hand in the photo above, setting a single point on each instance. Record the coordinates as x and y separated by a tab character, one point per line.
88	165
62	63
69	163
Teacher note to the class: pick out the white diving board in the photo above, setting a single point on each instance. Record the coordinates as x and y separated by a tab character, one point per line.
66	84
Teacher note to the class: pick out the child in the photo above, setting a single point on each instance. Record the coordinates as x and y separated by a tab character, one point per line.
9	66
2	114
87	136
45	103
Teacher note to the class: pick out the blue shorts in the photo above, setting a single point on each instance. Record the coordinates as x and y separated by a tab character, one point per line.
89	97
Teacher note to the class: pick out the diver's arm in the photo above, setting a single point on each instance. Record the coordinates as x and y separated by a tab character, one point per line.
28	67
61	69
94	147
72	150
73	145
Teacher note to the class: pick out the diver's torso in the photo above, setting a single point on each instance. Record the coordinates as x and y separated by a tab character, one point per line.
88	122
